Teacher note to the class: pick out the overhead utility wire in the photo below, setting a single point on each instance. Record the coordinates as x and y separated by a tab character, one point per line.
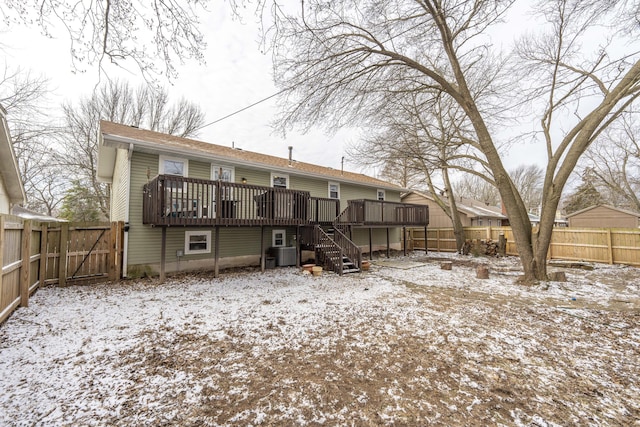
286	89
243	109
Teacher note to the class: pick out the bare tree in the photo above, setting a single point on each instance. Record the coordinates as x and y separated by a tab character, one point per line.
473	187
117	101
528	179
428	137
613	162
153	35
34	136
337	59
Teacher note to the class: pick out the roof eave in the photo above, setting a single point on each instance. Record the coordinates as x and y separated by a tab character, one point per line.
9	164
114	142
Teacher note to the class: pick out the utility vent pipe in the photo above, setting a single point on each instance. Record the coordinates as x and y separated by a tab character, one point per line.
290	155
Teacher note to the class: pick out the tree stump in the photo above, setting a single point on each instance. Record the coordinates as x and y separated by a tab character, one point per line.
502	245
558	276
482	272
446	265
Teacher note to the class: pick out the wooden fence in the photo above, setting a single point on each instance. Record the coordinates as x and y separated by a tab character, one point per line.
33	254
606	245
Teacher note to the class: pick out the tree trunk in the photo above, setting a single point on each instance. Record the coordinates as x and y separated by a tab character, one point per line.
458	231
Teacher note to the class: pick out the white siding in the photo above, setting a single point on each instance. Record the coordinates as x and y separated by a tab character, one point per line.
120	187
4	198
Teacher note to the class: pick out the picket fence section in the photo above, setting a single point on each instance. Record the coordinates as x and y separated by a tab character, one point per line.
606	245
33	254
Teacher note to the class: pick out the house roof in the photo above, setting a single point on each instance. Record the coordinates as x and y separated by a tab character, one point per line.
9	164
29	214
628	212
114	135
473	208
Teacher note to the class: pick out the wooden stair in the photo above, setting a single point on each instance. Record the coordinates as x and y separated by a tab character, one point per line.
333	255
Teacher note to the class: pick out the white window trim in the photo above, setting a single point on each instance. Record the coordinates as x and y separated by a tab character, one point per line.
337	184
384	194
188	234
217	167
282	175
273	238
174	159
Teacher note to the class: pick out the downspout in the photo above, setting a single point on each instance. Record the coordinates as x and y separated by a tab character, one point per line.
125	250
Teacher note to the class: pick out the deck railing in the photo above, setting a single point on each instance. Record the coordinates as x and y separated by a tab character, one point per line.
383	213
175	200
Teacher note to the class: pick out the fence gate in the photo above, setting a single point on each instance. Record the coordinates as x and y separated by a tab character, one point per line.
80	253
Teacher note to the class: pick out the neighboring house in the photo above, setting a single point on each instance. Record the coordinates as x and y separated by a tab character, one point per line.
189	204
604	216
557	222
472	212
11	188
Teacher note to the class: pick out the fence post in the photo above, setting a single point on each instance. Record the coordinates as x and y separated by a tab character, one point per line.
609	246
62	261
44	255
26	264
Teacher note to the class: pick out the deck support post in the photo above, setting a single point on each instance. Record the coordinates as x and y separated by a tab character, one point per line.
425	240
262	257
216	258
298	251
370	245
388	254
163	254
404	238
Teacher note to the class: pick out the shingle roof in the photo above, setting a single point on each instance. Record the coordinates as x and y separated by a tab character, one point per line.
626	211
117	132
474	208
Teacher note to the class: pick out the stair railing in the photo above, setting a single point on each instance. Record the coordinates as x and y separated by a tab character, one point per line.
328	253
349	249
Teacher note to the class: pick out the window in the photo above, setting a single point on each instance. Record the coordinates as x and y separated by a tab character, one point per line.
173	166
334	190
197	242
222	173
279	238
479	222
175	203
279	180
380	195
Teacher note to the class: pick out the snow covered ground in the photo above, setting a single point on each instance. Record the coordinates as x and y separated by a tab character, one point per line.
405	343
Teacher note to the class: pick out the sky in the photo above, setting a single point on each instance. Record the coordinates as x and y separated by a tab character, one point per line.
236	75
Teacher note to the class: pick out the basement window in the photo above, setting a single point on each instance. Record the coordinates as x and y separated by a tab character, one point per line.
278	238
197	242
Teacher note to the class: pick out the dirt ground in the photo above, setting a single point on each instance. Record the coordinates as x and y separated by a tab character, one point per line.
408	352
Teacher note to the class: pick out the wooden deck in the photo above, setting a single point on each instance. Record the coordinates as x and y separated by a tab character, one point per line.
376	213
177	201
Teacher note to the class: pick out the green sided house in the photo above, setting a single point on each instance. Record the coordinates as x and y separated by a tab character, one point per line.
193	205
